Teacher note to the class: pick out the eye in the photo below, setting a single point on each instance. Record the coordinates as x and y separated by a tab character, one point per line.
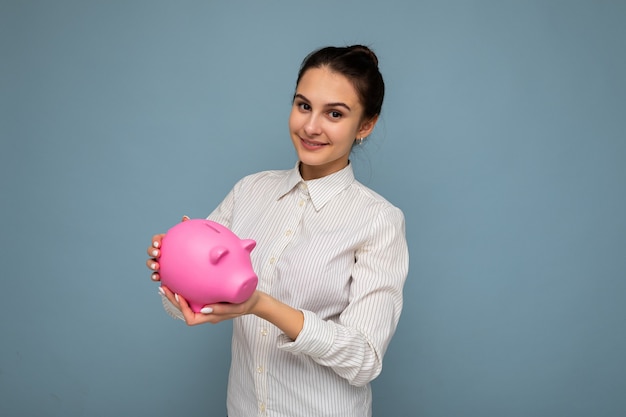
333	114
303	106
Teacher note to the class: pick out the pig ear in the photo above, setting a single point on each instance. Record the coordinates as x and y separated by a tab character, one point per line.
217	253
248	244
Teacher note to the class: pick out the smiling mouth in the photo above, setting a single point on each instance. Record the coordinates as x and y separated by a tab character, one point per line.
314	145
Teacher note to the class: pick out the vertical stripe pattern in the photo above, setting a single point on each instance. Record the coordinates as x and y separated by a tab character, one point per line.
336	250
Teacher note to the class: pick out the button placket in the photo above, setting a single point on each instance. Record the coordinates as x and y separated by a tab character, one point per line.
300	197
298	200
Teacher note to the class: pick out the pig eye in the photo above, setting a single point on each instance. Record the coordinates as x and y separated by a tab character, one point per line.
217	253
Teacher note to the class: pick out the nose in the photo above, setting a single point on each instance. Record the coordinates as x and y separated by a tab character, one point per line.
312	127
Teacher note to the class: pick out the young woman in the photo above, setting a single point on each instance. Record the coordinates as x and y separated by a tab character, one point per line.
331	257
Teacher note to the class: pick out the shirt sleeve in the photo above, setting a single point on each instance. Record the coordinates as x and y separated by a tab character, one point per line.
354	345
223	213
171	309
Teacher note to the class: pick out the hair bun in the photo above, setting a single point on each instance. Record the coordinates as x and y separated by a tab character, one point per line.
367	51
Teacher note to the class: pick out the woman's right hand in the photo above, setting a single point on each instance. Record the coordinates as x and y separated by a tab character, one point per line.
154	252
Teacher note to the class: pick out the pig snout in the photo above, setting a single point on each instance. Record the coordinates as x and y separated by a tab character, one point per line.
244	290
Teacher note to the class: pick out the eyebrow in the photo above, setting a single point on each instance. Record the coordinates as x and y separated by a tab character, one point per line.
337	104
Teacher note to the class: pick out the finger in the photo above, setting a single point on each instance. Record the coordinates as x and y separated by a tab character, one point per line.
225	311
155	277
152	264
216	313
206	310
188	313
173	298
191	317
185	218
156	240
153	252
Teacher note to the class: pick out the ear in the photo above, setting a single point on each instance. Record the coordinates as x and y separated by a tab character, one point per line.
366	127
248	244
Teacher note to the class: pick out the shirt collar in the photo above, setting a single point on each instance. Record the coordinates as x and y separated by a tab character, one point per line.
321	190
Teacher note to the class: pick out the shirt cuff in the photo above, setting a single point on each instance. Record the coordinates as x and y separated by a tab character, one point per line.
171	309
315	339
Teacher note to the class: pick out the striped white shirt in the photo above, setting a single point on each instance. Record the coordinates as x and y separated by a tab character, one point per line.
337	251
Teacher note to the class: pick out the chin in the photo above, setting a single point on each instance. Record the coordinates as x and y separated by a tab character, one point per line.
307	160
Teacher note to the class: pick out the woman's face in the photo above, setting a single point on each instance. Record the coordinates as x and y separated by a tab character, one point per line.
326	118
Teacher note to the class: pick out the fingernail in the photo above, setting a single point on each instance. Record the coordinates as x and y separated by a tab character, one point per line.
153	266
155	253
154	277
155	244
161	291
176	297
206	310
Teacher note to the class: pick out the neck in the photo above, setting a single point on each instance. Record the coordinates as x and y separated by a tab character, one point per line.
313	172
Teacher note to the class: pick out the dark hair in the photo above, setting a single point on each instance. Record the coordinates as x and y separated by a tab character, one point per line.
359	64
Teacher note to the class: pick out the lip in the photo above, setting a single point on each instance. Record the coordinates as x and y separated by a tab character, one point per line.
311	145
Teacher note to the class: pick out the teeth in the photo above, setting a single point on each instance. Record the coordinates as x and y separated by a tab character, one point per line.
311	143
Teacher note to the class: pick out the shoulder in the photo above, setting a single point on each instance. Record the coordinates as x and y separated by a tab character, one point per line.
374	200
264	179
267	175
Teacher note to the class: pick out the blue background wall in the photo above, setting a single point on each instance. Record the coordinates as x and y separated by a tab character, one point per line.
503	139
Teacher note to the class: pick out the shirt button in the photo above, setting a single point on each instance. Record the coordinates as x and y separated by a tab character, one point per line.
262	407
259	369
301	203
272	260
288	233
264	332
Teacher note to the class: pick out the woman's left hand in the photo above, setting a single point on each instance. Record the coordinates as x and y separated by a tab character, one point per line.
213	313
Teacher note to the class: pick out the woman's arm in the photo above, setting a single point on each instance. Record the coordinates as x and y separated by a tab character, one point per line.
354	344
289	320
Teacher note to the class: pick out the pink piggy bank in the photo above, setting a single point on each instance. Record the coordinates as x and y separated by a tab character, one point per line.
207	263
